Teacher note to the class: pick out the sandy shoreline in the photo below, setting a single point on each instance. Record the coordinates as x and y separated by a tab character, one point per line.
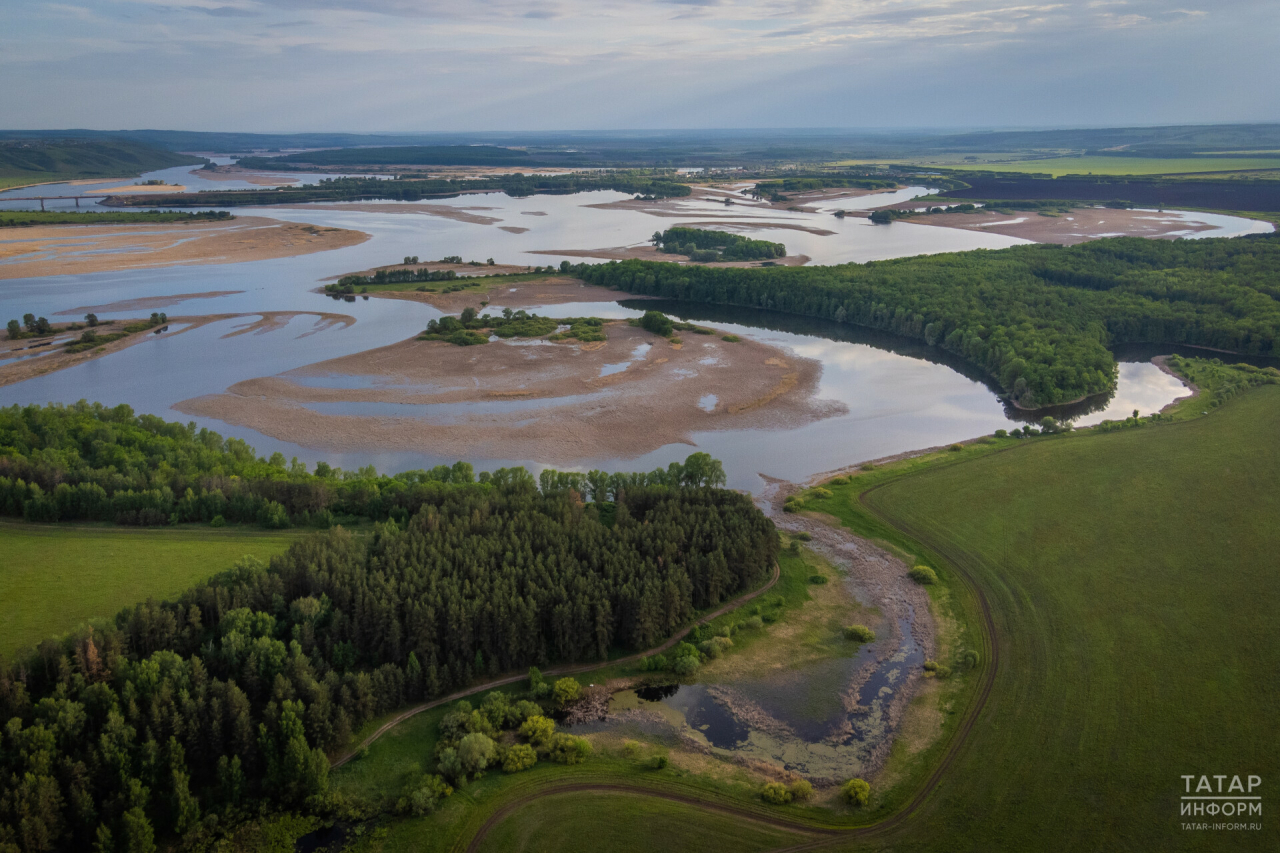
1078	225
21	369
553	290
558	403
44	250
234	173
647	252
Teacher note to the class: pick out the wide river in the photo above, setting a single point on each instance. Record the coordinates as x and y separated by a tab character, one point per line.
899	397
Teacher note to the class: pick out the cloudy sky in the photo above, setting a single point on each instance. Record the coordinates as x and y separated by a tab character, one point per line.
421	65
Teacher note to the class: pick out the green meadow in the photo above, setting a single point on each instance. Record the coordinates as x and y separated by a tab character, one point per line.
55	577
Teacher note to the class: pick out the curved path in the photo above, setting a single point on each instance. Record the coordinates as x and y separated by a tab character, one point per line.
961	561
558	670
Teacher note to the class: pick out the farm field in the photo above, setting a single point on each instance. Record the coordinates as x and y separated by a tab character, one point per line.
56	577
1058	166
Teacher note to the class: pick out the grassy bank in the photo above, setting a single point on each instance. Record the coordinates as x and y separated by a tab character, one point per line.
1131	578
58	576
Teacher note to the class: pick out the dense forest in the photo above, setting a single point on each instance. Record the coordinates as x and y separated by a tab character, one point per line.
649	184
397	155
704	245
180	717
87	462
1038	319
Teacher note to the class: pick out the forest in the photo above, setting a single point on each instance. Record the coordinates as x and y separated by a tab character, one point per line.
182	717
704	245
649	184
1038	319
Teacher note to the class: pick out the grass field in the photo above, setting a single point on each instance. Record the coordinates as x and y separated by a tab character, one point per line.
569	823
56	577
1057	166
1132	576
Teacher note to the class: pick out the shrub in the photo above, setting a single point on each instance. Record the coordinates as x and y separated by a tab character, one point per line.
519	757
537	729
923	575
218	521
567	749
819	492
1000	433
817	579
802	536
660	762
733	339
800	790
775	793
855	792
566	690
630	749
969	658
754	623
937	670
715	647
424	799
657	322
686	665
861	633
955	448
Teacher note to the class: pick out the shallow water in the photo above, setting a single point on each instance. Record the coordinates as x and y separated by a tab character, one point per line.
900	394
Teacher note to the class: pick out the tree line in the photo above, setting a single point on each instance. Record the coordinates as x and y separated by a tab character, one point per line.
647	184
703	245
1038	319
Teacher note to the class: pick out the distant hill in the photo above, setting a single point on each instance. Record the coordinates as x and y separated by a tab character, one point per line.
39	160
402	155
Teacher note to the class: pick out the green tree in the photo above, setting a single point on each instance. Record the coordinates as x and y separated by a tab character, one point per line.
475	752
537	729
856	792
519	757
566	690
657	322
15	330
136	834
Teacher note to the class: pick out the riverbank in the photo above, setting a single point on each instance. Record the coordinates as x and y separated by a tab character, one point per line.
45	250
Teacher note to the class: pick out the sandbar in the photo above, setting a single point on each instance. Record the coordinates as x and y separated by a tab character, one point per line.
648	252
1078	225
44	250
134	189
559	403
459	214
502	293
234	173
30	357
145	303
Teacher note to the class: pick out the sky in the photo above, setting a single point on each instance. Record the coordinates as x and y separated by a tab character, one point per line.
475	65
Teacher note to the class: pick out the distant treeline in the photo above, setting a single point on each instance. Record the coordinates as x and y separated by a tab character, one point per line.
178	720
823	182
1038	319
1234	194
654	185
704	245
18	218
403	155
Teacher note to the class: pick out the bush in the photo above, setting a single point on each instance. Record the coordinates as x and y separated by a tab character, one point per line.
817	580
519	757
630	749
861	633
660	762
537	729
754	623
218	521
776	794
937	670
955	448
567	749
715	647
923	575
657	322
427	796
802	536
800	790
969	659
855	792
819	492
733	339
686	665
566	690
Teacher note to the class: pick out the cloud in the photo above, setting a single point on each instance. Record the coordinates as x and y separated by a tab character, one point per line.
230	12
